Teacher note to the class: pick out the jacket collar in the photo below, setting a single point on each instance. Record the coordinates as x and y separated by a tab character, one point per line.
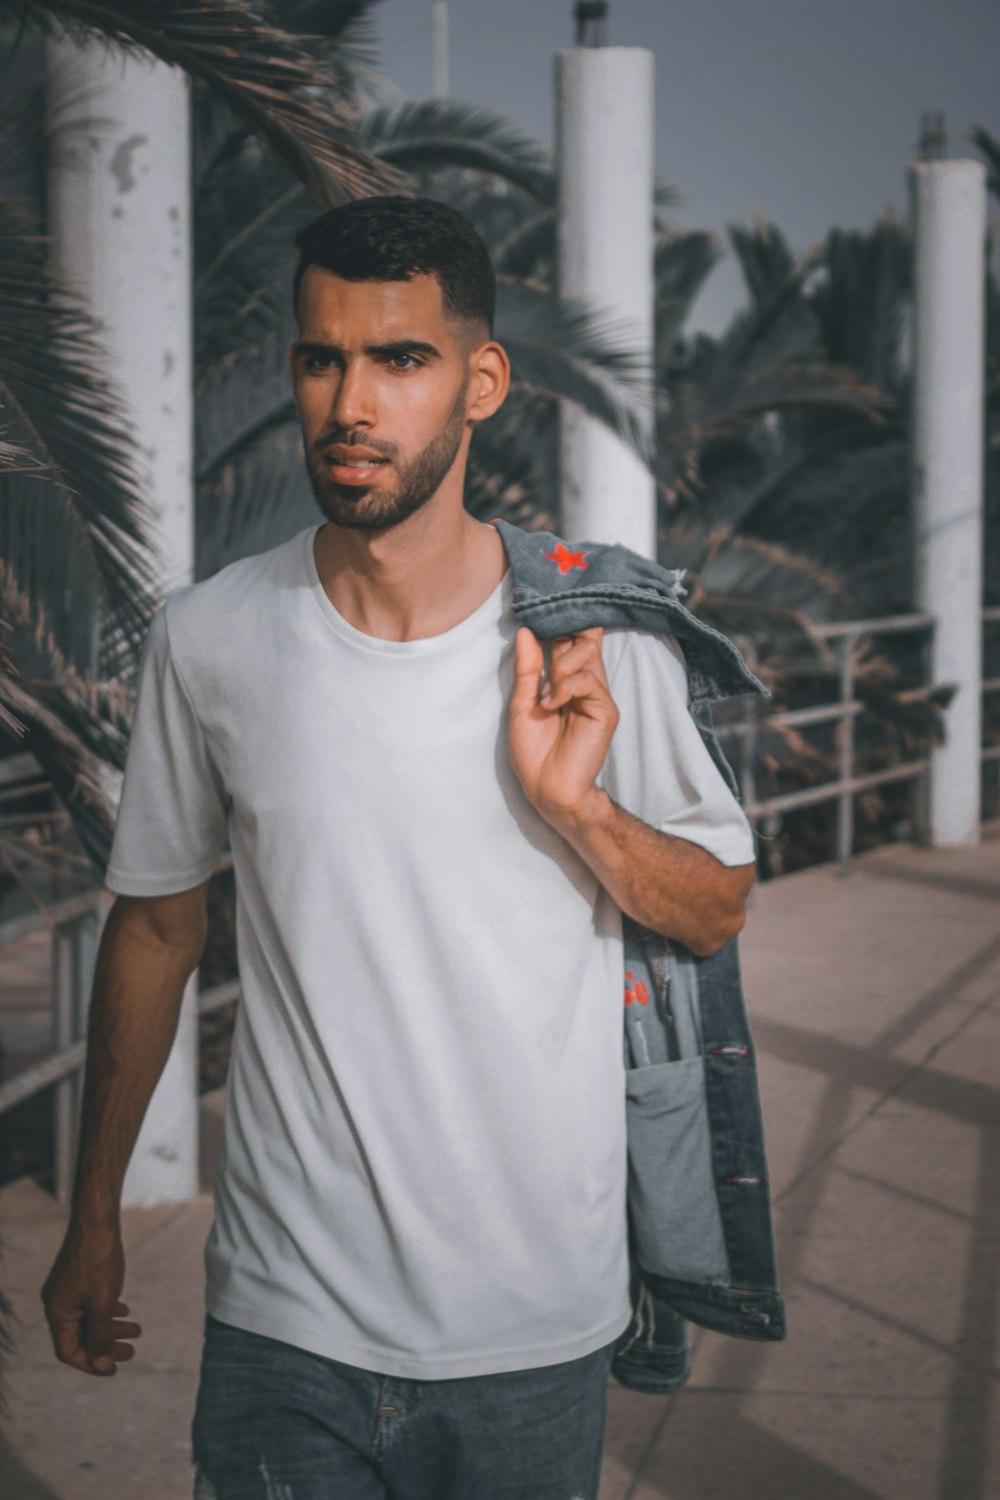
561	587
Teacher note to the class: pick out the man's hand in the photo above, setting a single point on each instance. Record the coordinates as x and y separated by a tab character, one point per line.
557	742
82	1301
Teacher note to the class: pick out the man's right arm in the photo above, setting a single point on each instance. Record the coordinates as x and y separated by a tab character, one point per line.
149	948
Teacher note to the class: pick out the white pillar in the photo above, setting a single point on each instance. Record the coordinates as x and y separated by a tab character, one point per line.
120	220
440	24
949	223
604	148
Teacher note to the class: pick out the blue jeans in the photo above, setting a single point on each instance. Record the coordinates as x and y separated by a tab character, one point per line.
274	1422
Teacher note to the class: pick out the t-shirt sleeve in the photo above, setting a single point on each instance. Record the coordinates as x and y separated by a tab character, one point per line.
657	766
171	828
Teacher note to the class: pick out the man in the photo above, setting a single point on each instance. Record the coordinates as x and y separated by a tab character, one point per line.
417	1270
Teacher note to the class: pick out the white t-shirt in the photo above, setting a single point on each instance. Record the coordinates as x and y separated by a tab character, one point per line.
424	1161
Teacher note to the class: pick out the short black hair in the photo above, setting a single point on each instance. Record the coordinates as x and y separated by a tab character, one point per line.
392	239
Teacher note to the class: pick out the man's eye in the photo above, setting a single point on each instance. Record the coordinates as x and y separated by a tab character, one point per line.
403	361
315	362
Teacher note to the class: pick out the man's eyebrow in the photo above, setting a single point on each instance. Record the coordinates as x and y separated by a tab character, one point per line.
396	346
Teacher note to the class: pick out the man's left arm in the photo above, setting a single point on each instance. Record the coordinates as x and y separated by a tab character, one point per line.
558	742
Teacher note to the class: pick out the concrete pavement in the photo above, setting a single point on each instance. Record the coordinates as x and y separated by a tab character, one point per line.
876	1008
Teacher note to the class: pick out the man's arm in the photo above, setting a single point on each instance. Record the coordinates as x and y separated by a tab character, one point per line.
557	742
149	948
669	884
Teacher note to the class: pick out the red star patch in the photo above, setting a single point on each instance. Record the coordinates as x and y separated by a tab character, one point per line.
566	559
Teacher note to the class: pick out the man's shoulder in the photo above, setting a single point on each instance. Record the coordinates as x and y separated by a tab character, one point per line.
231	599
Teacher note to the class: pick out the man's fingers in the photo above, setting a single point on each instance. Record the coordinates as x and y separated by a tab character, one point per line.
100	1339
582	688
571	653
528	662
69	1344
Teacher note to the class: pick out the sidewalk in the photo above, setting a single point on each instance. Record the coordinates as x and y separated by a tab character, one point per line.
876	1009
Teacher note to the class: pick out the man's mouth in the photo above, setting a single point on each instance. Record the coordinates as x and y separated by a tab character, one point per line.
350	465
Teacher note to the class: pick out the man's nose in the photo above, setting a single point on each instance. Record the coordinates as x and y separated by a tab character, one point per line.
354	397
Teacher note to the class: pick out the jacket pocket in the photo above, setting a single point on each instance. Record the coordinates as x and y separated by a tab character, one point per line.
671	1187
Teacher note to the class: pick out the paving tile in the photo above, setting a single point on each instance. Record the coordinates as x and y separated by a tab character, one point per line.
806	1108
913	1153
765	1446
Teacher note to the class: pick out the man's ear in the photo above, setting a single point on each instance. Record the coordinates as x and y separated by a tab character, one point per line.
489	380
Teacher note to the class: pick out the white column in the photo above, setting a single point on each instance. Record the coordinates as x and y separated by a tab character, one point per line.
120	221
604	147
949	223
440	24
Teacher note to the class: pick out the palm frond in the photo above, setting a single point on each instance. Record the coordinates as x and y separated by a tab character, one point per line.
269	78
348	24
574	352
430	134
76	728
683	262
776	324
257	499
990	147
725	406
529	248
72	422
763	255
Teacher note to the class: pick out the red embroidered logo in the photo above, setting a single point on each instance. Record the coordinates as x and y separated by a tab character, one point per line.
566	559
637	992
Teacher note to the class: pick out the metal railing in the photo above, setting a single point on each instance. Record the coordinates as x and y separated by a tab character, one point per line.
76	922
843	637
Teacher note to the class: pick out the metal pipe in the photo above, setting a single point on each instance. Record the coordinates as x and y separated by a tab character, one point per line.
845	756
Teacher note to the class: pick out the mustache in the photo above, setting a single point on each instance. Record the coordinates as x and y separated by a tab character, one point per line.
354	440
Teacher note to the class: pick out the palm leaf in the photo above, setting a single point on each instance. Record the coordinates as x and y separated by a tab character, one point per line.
990	147
76	728
72	422
529	248
568	350
764	257
431	134
683	262
267	76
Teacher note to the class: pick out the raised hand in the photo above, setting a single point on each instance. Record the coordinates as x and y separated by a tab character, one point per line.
557	742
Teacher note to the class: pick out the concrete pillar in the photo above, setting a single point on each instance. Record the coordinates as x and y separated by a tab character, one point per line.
440	24
120	220
604	148
949	223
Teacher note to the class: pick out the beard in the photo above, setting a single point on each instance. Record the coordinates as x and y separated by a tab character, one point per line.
359	506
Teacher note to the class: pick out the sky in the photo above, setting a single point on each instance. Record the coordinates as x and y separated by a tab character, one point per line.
803	113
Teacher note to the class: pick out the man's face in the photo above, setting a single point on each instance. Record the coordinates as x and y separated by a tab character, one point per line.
381	376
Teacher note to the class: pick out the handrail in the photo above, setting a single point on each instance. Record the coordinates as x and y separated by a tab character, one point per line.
843	713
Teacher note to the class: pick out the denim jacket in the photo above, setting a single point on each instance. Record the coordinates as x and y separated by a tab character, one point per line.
701	1243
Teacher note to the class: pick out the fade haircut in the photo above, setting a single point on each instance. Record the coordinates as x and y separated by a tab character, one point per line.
393	239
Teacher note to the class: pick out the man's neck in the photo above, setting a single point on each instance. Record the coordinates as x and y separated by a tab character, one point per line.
419	579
